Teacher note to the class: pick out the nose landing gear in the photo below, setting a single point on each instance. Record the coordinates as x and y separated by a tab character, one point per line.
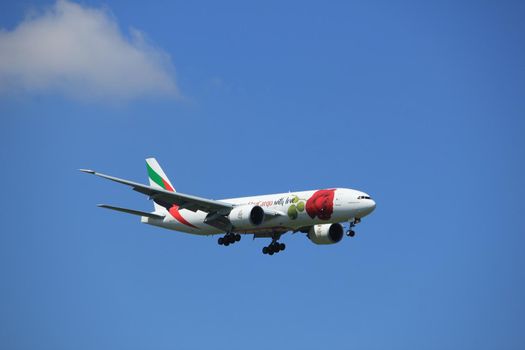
351	232
229	238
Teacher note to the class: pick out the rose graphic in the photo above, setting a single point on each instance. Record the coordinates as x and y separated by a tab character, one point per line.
321	204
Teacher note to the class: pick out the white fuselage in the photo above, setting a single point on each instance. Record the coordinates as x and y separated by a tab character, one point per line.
348	204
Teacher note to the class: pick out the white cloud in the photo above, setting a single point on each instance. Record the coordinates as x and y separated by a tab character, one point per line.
80	51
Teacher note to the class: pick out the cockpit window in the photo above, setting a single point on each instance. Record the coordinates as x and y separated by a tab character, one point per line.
364	197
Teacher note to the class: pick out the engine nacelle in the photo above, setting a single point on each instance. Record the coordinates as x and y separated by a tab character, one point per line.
246	216
326	233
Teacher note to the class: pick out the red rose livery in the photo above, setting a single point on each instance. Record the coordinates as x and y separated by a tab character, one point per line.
321	204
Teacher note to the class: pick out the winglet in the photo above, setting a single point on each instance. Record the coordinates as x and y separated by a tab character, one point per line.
87	171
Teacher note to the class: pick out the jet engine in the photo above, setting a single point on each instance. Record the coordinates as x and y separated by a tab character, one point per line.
246	216
326	233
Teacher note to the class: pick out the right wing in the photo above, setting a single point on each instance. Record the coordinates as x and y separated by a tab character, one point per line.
167	198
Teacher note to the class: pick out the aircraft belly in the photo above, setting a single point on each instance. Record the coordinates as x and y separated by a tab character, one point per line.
193	222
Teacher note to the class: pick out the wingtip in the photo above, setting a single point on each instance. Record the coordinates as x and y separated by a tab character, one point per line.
87	171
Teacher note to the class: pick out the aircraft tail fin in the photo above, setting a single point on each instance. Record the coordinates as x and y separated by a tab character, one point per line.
158	179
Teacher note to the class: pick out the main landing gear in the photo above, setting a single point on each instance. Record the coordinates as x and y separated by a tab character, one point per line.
274	247
229	238
351	232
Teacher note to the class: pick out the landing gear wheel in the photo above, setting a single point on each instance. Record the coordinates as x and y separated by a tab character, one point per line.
274	247
350	233
229	238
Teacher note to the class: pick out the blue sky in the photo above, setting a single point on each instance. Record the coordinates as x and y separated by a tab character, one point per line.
422	105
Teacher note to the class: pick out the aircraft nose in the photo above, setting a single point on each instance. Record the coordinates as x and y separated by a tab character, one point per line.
372	205
369	207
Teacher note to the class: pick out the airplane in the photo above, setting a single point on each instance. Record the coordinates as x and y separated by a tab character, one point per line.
318	213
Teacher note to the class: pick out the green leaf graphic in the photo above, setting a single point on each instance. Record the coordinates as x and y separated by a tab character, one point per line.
292	212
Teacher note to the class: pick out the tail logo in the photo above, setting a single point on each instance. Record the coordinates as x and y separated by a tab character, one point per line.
174	210
158	179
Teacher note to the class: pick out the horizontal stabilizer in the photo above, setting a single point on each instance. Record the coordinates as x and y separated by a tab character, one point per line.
131	211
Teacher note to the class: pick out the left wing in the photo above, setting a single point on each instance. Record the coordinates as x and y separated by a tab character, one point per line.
167	199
